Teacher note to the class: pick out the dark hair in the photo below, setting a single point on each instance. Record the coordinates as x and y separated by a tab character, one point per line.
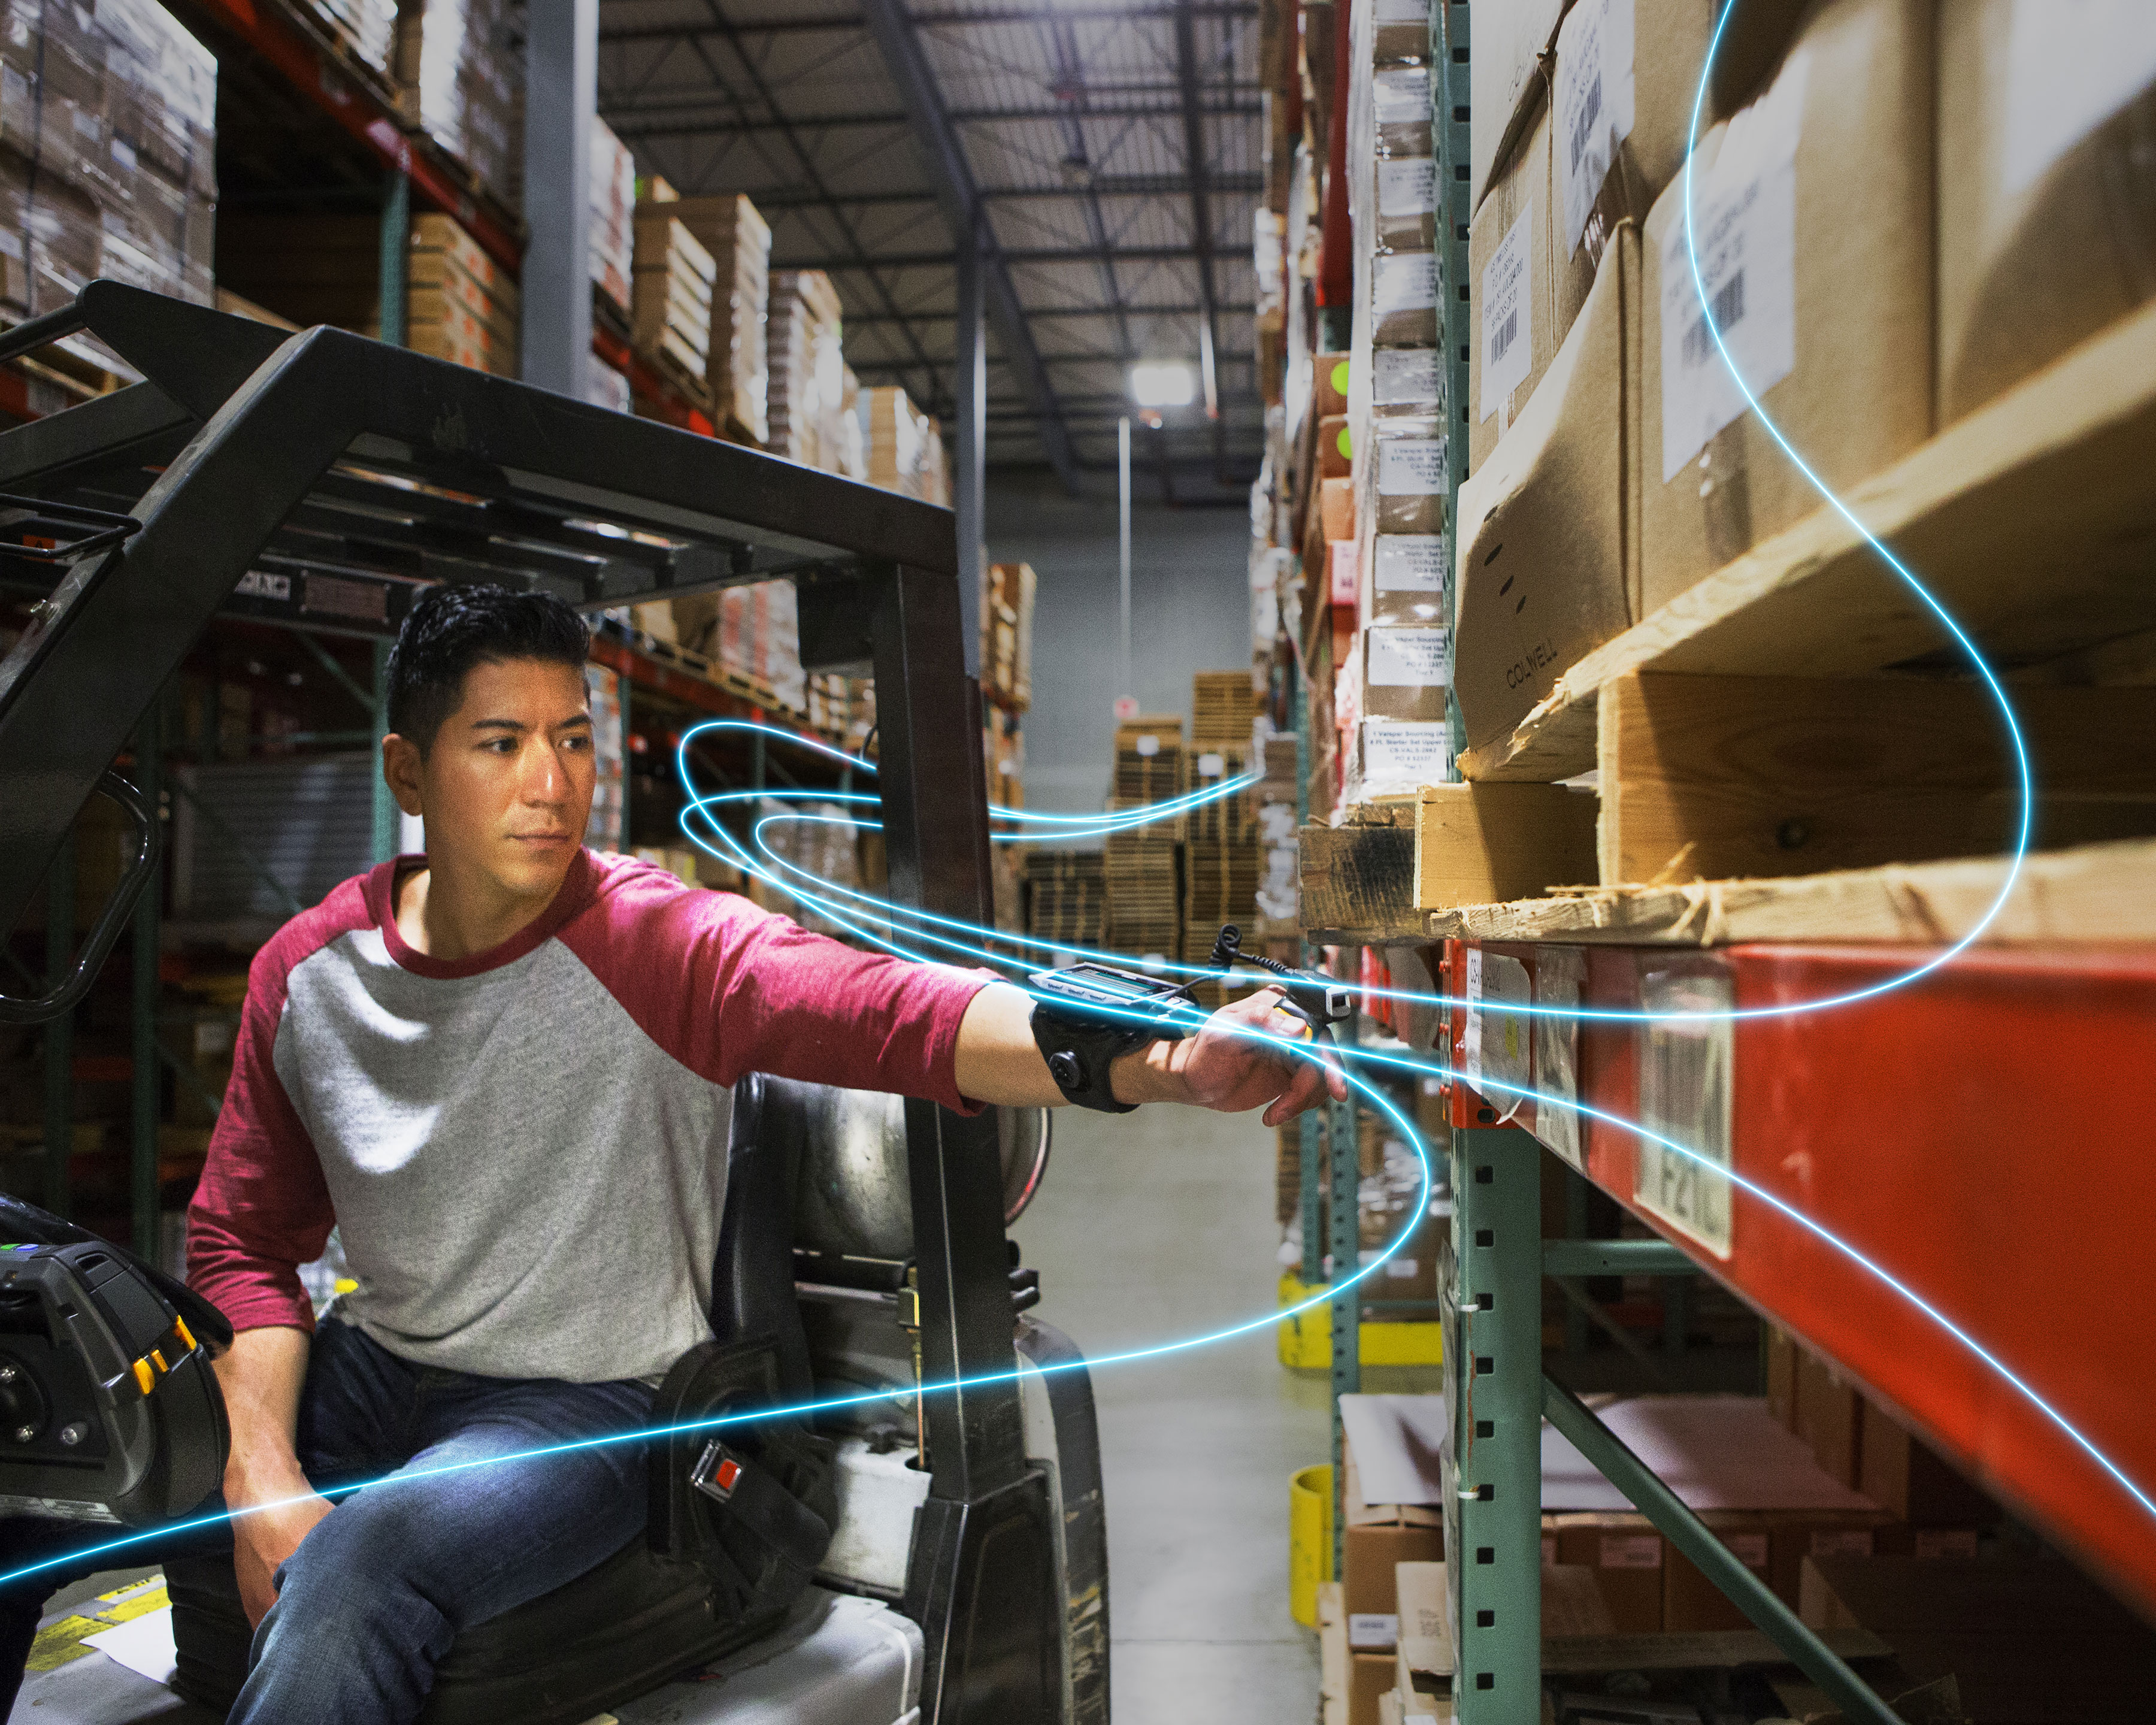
451	629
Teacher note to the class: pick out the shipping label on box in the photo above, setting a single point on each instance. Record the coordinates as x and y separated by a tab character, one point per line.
1372	1631
1508	288
1405	658
1410	562
1404	282
1594	95
1400	756
1407	187
1744	236
1411	467
1405	378
1498	1040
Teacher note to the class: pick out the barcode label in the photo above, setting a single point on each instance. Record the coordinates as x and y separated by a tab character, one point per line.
1508	288
1593	99
1726	312
1583	125
1734	273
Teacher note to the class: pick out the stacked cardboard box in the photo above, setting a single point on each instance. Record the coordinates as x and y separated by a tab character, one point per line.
459	304
670	300
807	394
1389	707
754	632
611	235
107	155
1007	635
1144	900
1066	896
461	66
366	29
904	446
739	241
1002	752
1278	894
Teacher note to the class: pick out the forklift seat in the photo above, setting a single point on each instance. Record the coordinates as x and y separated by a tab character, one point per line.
651	1611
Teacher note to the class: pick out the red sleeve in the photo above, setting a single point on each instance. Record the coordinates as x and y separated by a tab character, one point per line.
726	988
262	1208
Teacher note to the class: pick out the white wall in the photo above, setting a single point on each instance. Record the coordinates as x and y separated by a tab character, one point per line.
1189	612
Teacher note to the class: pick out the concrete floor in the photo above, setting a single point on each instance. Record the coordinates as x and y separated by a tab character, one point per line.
1150	1227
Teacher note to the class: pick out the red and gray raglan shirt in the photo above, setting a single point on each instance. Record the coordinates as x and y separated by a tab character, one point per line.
525	1151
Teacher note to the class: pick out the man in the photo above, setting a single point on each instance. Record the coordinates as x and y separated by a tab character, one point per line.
503	1069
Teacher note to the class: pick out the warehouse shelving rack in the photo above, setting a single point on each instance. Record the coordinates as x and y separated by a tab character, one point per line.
1971	1135
329	456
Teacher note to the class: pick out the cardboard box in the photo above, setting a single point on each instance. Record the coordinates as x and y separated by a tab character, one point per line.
1390	1445
1624	1553
1548	525
1905	1475
1335	449
1512	314
1621	88
1329	385
1829	1417
2026	1639
1782	1375
1504	80
2044	230
1403	674
1407	581
1690	1601
1369	1679
1820	198
1795	1536
1336	508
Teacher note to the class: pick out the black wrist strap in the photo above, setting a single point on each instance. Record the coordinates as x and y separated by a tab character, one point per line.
1079	1051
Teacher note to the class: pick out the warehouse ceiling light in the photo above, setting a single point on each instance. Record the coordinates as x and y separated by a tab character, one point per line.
1163	384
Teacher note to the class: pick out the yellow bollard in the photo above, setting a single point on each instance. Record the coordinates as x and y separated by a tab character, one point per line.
1309	1540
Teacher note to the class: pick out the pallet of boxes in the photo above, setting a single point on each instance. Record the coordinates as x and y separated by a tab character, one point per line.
460	304
1006	692
1220	848
905	446
1066	894
108	148
738	368
610	235
670	300
461	77
1382	442
1144	859
806	395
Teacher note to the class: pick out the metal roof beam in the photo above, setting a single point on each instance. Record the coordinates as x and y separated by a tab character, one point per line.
651	122
1201	211
892	27
948	259
786	24
1043	314
779	198
802	155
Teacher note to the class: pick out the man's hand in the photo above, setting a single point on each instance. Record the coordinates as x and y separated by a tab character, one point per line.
263	1540
273	1507
1227	1067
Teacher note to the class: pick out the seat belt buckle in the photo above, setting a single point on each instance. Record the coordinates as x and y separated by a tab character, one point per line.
717	1472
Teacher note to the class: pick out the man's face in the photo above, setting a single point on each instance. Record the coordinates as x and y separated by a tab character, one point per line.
507	787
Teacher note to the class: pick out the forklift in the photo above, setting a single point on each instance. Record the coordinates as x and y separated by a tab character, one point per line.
324	479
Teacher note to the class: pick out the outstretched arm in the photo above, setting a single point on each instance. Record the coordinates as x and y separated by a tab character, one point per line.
1227	1065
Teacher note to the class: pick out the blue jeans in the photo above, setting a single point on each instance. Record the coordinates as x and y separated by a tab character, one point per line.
372	1600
